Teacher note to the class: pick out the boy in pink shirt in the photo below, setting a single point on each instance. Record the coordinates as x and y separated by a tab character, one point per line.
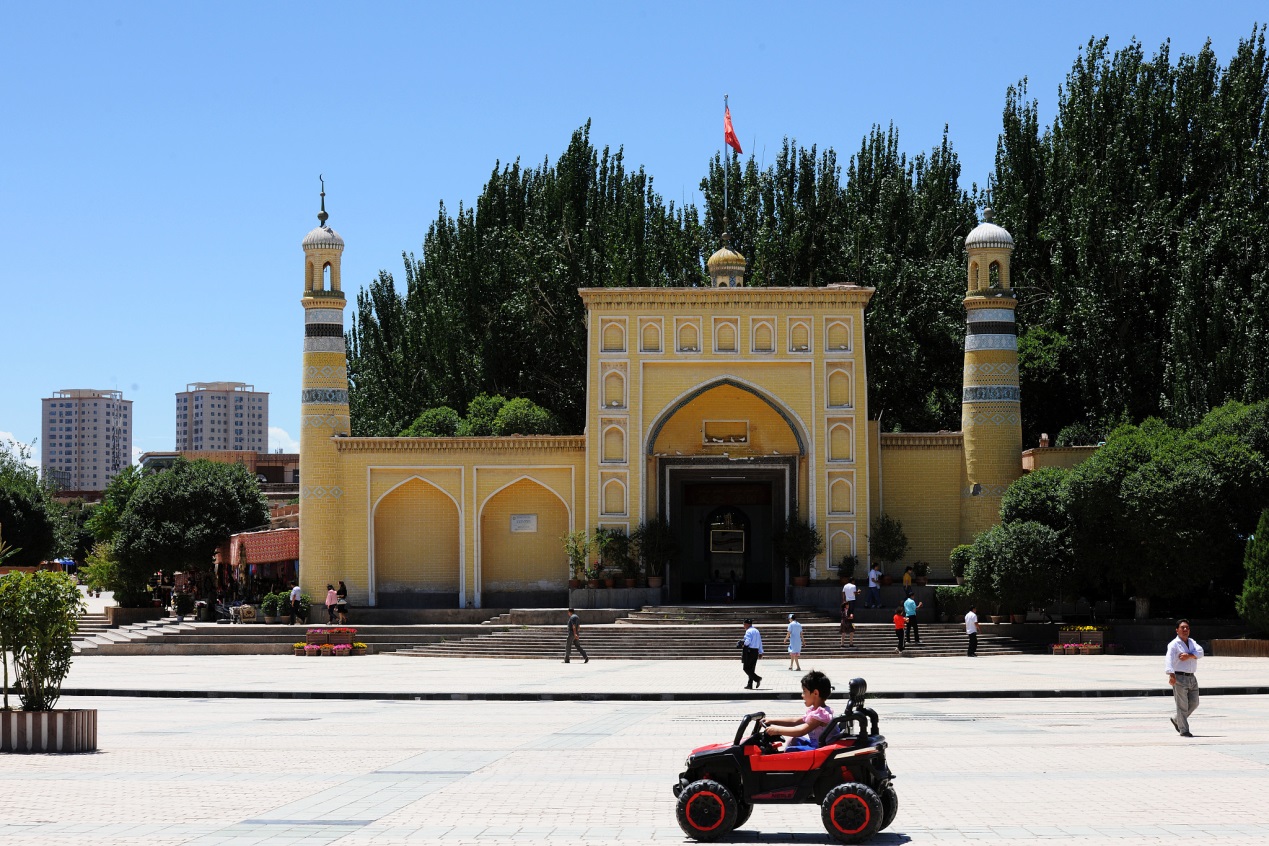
805	733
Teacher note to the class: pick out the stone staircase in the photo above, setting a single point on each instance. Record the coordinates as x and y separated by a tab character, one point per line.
681	632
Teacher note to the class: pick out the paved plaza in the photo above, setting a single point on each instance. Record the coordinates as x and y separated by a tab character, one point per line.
212	771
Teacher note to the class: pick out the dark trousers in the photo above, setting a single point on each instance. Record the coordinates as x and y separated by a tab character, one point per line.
899	635
330	613
914	634
568	648
295	611
749	660
874	597
973	644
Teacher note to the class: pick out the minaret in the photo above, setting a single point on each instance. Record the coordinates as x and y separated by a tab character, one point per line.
323	412
991	419
726	267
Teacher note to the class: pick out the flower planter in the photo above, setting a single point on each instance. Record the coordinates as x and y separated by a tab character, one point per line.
655	581
1017	618
609	582
312	652
801	581
63	730
299	653
1093	649
359	651
630	582
1068	637
269	619
343	638
317	636
574	584
592	583
1098	638
1057	650
997	619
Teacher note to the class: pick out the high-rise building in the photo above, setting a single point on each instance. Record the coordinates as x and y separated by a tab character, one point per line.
222	416
87	438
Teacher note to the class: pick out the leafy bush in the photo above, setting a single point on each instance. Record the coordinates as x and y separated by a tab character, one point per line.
798	543
655	544
482	412
269	603
440	422
1079	434
960	558
26	508
39	612
522	416
182	603
1036	496
889	543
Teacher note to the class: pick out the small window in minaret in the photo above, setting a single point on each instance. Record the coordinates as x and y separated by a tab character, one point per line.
993	275
973	276
326	277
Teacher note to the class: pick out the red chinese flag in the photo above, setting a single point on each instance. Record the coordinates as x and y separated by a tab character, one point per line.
729	133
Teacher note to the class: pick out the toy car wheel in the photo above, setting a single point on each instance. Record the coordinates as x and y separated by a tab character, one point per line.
742	815
889	806
851	812
706	810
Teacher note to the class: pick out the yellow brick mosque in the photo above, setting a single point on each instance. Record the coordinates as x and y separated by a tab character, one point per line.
722	409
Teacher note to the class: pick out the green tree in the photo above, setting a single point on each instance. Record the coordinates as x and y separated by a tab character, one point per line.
177	518
440	422
887	540
1036	496
1253	602
104	520
797	543
28	514
39	614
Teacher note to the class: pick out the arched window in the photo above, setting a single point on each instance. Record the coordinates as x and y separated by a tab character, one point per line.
841	497
973	276
689	340
993	275
763	338
800	338
839	443
726	339
651	341
614	444
838	336
614	497
839	389
326	277
614	390
614	337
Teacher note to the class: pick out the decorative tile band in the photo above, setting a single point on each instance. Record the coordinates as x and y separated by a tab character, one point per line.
991	393
325	396
988	342
319	492
324	315
990	418
323	330
325	345
989	315
326	372
995	327
990	369
338	422
984	491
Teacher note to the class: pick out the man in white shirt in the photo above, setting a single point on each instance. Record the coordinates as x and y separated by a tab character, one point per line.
1182	661
751	651
874	586
295	602
971	629
848	595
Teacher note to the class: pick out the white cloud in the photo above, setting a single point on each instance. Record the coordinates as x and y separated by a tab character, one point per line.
279	439
9	443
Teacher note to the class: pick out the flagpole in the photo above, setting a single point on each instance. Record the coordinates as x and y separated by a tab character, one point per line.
725	174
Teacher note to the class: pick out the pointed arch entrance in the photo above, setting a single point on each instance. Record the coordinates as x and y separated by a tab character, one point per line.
726	451
417	551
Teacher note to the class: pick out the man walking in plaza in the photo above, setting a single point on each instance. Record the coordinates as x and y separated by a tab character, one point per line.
1182	661
874	586
574	638
751	650
971	629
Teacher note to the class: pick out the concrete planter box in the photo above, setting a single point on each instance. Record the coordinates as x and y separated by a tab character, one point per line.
48	731
117	616
614	597
1243	648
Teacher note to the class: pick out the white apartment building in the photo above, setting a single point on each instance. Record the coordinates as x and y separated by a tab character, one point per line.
222	416
87	438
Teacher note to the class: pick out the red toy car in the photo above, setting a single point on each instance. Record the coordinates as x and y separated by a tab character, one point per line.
846	776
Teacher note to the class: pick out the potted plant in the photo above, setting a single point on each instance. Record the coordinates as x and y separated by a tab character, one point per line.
888	541
960	559
359	648
592	577
846	568
269	605
341	650
798	542
39	614
299	648
577	546
656	545
317	636
312	650
182	604
921	571
340	636
326	649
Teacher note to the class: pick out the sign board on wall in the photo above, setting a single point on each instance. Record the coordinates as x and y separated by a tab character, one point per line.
524	522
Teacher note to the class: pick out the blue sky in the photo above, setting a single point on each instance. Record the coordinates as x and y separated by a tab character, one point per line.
159	161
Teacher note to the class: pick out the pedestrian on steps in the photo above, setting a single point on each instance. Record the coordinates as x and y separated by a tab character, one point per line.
848	624
899	622
793	637
750	651
574	638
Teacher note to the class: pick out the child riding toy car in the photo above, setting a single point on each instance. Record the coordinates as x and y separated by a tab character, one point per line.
846	775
